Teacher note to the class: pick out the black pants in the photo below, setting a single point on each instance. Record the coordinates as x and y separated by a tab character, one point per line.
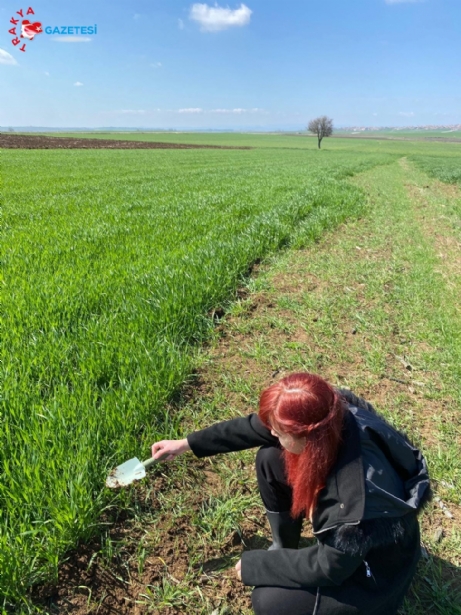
276	495
283	601
275	492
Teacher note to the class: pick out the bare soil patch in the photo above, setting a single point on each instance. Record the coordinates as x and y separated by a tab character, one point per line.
12	141
90	582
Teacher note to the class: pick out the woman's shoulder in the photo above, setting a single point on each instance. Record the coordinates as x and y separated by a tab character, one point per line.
355	401
368	418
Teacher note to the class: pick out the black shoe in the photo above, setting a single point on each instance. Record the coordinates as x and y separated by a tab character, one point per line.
286	531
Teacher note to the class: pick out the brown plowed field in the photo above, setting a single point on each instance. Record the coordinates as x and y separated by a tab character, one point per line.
12	141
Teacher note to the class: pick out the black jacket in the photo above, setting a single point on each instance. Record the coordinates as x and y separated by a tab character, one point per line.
365	519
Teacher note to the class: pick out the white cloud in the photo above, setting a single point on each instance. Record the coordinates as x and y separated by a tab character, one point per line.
156	65
406	114
239	110
225	110
78	83
180	24
132	111
6	58
215	18
191	110
71	39
47	73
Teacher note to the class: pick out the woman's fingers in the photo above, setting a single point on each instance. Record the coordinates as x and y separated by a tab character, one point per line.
238	568
161	450
169	449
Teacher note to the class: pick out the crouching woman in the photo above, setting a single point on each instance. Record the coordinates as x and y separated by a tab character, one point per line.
327	456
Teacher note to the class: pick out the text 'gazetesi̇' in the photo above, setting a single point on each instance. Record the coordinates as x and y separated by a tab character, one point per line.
71	29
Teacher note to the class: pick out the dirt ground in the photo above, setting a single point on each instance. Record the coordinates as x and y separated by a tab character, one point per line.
88	584
13	141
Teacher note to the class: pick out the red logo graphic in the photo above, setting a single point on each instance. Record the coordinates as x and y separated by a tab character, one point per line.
28	29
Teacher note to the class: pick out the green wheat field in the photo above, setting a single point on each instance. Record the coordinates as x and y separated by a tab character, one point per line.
114	263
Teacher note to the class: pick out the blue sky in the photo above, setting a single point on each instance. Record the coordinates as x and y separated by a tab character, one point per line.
258	64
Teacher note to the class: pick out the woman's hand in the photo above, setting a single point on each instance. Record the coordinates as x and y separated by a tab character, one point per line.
166	450
238	568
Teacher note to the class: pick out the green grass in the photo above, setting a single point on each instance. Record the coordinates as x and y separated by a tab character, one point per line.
112	262
348	309
412	135
444	168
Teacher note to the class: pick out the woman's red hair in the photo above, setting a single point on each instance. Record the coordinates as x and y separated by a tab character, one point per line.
305	405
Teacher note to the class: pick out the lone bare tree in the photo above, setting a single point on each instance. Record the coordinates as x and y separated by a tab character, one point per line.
322	127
